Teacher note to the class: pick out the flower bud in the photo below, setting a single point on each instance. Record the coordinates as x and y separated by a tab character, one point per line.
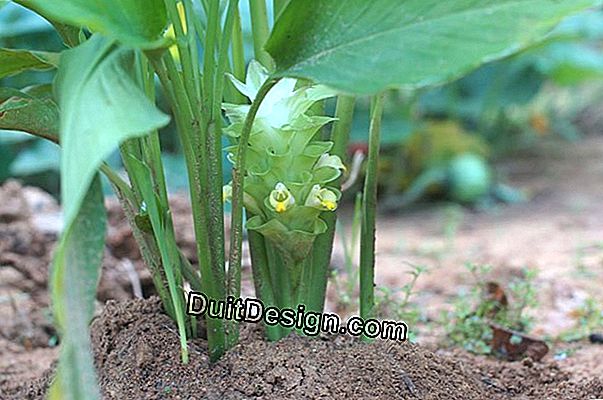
322	199
281	198
328	160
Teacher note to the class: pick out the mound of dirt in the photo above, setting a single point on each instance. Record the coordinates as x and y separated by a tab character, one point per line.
137	355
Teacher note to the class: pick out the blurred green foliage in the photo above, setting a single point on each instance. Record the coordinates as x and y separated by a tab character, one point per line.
35	161
501	100
497	108
500	107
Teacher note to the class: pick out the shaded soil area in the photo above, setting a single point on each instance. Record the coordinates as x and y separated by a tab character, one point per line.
137	354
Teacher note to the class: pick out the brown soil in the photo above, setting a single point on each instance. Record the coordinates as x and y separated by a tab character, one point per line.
137	354
558	232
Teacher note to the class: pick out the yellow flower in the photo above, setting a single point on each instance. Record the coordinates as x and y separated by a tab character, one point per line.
281	198
322	198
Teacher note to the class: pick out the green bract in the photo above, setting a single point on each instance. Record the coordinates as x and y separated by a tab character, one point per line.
289	169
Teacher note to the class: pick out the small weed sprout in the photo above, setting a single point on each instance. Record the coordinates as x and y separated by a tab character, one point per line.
589	319
389	304
468	324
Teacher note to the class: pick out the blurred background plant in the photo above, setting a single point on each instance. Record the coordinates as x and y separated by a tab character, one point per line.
464	126
546	91
30	159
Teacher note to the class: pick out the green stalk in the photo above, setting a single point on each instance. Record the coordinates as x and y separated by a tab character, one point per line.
314	297
147	149
369	206
203	157
340	134
151	154
212	275
117	182
209	49
306	277
261	31
174	275
143	175
214	204
191	36
233	278
278	6
145	241
238	59
166	243
190	274
213	84
185	41
356	227
264	287
238	182
280	271
150	144
148	250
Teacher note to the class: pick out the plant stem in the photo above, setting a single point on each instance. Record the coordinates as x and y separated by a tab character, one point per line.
280	270
238	182
209	50
238	59
148	250
216	175
185	42
261	31
212	274
191	37
166	243
278	6
223	60
340	134
264	287
369	203
318	275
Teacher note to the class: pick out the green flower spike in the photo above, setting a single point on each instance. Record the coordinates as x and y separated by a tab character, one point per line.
288	168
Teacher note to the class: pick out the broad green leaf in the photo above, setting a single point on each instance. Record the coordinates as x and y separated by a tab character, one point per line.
101	106
138	23
364	47
13	61
75	273
31	110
